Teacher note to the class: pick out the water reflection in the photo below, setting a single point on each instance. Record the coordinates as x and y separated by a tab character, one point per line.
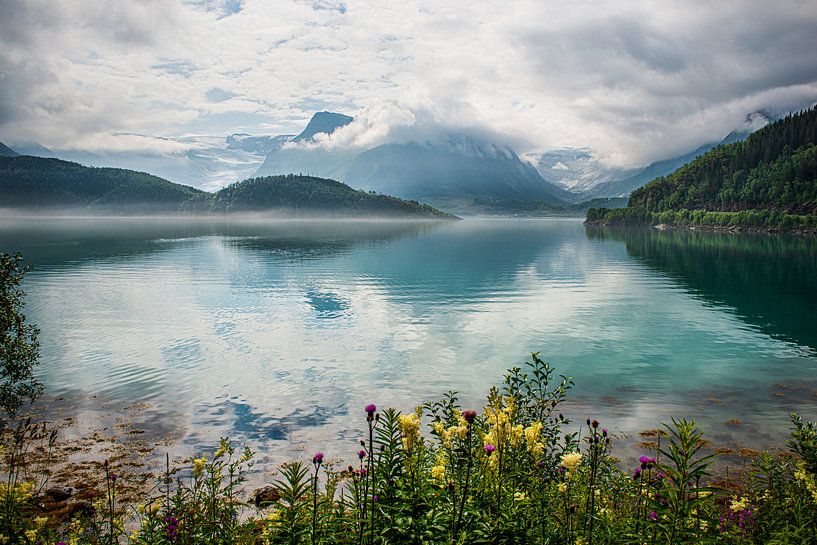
769	280
278	333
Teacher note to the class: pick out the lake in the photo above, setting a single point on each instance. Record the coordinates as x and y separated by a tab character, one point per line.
277	333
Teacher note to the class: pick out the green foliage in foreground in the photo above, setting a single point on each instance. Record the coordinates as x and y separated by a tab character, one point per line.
767	220
441	474
19	347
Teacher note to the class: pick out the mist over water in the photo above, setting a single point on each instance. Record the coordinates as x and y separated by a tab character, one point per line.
279	332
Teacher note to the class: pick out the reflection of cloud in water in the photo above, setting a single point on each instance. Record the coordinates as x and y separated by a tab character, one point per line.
274	336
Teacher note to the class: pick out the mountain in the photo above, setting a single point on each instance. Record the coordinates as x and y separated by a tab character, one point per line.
6	151
33	149
623	187
578	171
42	184
575	169
768	180
206	162
323	122
257	145
456	166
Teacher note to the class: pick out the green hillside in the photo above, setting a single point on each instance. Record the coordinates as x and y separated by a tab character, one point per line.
768	181
40	184
307	194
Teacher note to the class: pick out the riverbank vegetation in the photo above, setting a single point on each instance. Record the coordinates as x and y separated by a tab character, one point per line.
442	473
767	182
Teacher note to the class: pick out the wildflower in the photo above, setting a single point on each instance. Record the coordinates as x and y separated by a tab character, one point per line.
31	535
375	498
370	409
520	496
532	433
318	458
438	473
571	460
469	416
439	428
114	476
646	462
198	466
739	505
489	448
361	454
410	428
653	516
562	488
637	473
595	424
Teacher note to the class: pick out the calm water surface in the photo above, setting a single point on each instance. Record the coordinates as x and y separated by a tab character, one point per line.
277	333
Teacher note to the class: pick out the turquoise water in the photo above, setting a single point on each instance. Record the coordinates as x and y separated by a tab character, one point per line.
278	333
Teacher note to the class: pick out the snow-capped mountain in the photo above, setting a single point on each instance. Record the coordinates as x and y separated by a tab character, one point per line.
574	169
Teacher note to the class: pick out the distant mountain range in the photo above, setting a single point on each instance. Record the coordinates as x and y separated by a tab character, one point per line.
456	169
51	185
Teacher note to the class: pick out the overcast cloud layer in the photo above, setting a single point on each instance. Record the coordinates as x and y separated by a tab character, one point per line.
634	81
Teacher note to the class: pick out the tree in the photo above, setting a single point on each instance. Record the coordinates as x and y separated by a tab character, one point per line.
19	347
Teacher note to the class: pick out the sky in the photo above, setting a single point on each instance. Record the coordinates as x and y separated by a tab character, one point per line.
634	81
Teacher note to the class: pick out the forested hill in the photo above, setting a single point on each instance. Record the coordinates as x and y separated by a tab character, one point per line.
768	180
308	194
39	184
775	168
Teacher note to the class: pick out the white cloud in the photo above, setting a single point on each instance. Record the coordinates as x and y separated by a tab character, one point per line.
634	81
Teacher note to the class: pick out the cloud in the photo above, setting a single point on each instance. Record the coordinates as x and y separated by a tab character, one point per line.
634	81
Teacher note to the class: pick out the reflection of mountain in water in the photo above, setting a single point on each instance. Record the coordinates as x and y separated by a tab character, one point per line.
770	281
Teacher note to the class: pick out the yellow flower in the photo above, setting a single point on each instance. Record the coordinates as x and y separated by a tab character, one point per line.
571	461
410	428
31	535
40	522
438	473
198	466
520	496
532	433
439	428
739	505
562	488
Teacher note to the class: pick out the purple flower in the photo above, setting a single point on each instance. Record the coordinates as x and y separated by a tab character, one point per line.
361	454
61	543
637	473
653	515
318	458
595	423
489	448
604	432
370	409
646	460
114	476
469	416
375	498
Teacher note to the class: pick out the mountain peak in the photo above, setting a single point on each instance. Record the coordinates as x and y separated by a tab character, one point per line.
6	151
323	122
